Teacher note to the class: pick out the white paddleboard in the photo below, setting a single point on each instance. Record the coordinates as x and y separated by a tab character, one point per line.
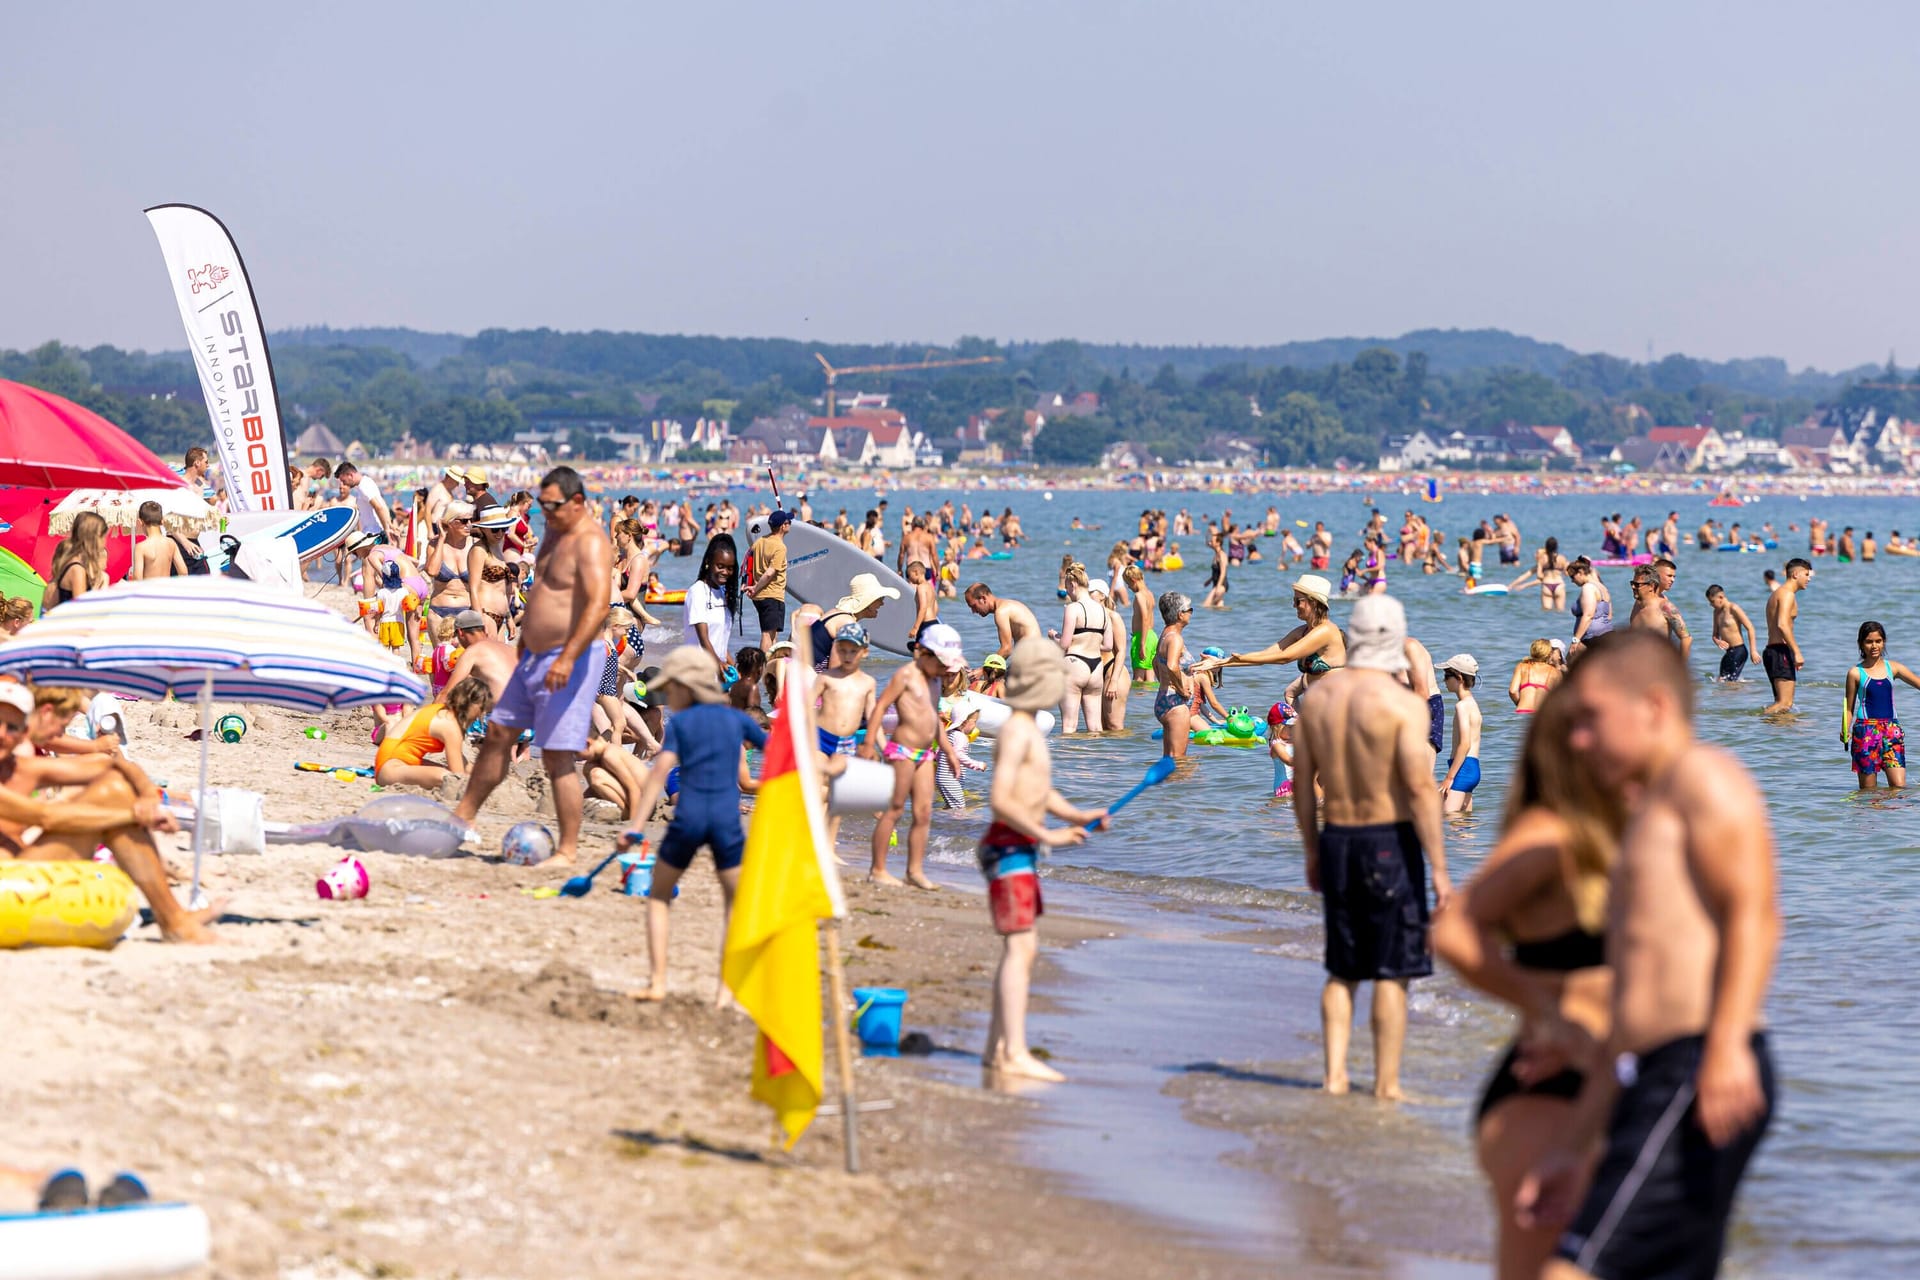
312	533
103	1244
819	567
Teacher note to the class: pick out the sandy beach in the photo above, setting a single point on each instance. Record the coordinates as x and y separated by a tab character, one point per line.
448	1077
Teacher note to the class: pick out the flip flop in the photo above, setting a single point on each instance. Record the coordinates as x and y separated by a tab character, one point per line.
65	1191
126	1188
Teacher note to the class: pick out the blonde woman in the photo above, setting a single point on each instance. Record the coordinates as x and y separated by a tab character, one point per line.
1533	677
1118	561
1531	930
1116	680
79	563
1083	634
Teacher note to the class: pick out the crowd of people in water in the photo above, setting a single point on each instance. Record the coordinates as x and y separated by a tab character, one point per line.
1627	911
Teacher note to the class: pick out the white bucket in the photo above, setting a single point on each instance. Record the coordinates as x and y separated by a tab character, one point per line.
866	787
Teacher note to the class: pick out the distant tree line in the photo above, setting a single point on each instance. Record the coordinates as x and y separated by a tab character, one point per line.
1320	403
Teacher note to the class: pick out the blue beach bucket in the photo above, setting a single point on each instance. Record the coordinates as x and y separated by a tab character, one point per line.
876	1020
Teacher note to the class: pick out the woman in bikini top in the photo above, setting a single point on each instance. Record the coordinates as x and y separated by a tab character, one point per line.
1533	676
1533	919
1316	644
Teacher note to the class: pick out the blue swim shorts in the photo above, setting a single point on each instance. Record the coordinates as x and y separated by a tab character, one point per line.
560	721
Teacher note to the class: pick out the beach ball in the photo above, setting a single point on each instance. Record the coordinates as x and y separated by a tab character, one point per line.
231	728
526	843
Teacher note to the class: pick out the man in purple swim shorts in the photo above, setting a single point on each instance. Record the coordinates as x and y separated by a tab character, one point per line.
557	675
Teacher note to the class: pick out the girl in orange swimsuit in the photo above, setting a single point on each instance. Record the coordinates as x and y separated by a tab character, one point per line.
401	760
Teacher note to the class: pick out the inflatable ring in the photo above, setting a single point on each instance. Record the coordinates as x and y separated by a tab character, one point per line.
1174	562
665	597
65	904
1221	738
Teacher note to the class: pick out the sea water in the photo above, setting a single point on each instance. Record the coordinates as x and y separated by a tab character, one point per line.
1832	1188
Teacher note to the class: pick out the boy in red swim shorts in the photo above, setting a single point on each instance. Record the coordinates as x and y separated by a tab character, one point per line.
1021	799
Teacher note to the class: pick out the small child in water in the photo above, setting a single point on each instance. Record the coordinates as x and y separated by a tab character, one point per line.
1462	672
1280	748
1022	797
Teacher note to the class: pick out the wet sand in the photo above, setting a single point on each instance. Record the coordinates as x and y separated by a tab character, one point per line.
448	1078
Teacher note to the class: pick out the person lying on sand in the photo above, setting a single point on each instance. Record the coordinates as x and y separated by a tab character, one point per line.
117	806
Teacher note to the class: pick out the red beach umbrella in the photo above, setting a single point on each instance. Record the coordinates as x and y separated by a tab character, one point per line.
50	443
26	513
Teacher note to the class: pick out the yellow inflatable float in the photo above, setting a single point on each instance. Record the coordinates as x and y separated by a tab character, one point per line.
65	904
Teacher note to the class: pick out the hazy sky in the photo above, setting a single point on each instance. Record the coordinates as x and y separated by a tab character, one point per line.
1730	179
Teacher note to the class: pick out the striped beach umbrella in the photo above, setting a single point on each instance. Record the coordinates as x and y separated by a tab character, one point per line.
214	639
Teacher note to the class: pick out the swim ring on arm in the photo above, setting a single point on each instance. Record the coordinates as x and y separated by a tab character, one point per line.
65	904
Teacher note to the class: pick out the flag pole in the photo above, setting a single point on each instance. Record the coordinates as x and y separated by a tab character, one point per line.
842	1045
836	977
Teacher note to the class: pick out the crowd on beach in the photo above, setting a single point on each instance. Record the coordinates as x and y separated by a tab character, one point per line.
1627	911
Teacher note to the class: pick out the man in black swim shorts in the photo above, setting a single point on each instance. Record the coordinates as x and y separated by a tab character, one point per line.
1691	1087
1369	862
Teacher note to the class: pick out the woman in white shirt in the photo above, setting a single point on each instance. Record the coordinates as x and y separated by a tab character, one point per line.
713	601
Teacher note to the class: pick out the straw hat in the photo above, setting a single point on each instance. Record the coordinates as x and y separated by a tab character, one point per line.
1036	675
692	669
1377	635
477	475
1312	584
455	473
494	518
863	591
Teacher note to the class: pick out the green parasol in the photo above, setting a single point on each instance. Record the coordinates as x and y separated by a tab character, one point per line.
17	578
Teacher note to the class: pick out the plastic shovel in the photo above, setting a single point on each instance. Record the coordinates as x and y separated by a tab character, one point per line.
1161	770
580	886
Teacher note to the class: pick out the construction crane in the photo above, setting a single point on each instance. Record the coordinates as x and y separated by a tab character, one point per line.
929	363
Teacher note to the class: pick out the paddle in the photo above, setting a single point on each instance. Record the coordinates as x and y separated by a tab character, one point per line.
1162	770
580	886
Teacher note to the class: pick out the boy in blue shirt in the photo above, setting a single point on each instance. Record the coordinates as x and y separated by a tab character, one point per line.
706	738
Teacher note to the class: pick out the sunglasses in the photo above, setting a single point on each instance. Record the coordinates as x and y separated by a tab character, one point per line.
551	507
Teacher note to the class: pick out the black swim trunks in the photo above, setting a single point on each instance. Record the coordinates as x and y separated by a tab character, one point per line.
1662	1195
1778	660
1373	892
1436	721
1733	662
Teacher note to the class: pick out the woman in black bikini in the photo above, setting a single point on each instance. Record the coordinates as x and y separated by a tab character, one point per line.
79	563
1531	930
1084	634
1316	644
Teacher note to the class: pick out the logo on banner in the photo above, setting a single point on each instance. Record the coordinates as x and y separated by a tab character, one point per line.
211	276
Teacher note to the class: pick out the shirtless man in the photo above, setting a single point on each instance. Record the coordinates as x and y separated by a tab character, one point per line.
1362	741
561	658
1729	622
1782	658
157	555
1014	621
926	595
842	706
917	546
1670	535
911	749
448	489
1683	1090
117	806
1647	614
482	655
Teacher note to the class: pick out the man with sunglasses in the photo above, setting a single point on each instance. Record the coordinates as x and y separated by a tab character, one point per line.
118	807
561	659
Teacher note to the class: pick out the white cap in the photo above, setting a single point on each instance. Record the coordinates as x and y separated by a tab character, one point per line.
15	695
943	642
1098	587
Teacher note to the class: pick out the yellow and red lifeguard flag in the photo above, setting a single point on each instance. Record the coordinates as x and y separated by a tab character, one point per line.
787	885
